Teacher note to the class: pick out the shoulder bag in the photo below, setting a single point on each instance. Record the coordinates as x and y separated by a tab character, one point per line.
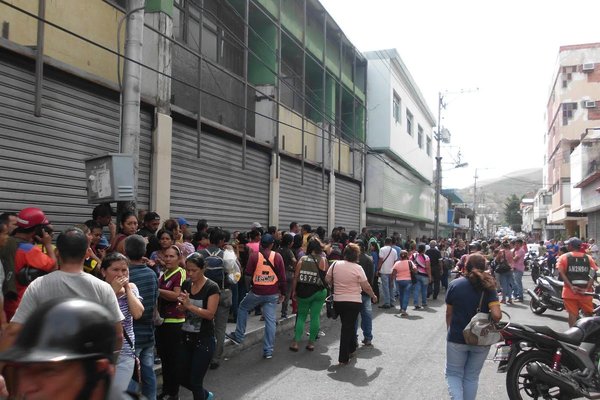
331	313
481	330
503	266
137	371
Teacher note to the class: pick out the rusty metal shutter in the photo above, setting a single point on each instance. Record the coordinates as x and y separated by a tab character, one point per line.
214	187
305	204
41	158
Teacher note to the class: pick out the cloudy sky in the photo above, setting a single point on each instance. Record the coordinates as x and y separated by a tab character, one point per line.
500	54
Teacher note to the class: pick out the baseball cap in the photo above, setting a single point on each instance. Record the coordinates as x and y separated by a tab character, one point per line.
267	240
574	241
103	243
182	221
256	225
151	216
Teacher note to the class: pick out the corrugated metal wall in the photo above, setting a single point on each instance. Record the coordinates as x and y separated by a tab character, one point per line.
41	158
347	204
305	204
215	187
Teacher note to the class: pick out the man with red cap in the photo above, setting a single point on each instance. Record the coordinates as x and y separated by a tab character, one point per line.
30	261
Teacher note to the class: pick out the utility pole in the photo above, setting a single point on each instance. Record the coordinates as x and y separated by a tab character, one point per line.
130	94
438	169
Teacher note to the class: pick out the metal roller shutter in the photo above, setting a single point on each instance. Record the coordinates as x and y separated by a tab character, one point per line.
306	204
42	157
215	187
347	204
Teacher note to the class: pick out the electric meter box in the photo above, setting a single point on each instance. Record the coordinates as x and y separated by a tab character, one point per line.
110	178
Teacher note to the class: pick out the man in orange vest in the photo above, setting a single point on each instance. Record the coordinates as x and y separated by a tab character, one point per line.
266	272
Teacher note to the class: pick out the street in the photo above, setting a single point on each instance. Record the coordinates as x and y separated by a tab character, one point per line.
406	361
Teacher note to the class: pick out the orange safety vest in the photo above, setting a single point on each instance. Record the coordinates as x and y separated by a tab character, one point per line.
264	275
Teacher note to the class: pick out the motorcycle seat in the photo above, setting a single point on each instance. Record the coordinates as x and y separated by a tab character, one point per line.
573	335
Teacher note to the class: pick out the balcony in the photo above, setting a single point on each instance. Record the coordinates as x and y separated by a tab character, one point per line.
590	163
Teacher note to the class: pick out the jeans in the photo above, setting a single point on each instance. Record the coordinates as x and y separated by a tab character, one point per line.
289	277
195	354
436	278
146	356
518	284
366	319
385	287
168	336
463	366
444	278
421	287
221	317
310	305
403	288
348	313
506	281
268	303
123	373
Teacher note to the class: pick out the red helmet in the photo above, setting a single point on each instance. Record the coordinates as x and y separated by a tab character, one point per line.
30	217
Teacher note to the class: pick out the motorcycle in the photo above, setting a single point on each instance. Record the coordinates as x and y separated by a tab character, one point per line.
541	363
547	294
538	266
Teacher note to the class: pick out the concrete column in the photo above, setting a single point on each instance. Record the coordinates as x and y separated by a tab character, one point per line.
162	136
274	190
363	193
331	213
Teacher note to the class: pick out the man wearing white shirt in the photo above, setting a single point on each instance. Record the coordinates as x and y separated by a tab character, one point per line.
387	258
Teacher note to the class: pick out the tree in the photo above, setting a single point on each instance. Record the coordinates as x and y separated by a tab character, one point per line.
512	212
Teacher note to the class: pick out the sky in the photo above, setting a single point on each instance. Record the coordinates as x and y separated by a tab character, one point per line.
494	61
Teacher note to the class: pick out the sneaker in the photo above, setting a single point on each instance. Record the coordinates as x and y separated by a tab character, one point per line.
367	343
231	336
416	307
404	314
385	306
424	305
210	396
267	356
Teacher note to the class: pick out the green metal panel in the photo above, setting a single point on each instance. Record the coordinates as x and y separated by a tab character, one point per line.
292	17
314	36
165	6
262	67
330	97
272	6
239	5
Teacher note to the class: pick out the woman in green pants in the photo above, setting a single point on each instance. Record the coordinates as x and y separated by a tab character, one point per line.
308	288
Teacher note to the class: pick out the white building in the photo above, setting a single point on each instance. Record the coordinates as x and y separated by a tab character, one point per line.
399	191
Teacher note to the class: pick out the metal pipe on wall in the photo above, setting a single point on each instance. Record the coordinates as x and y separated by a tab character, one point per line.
39	59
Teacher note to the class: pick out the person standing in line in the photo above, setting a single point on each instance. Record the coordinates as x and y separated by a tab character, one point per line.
266	271
387	258
505	277
285	249
401	273
593	250
366	311
151	223
199	300
349	281
465	295
435	257
423	265
309	289
129	226
143	328
518	265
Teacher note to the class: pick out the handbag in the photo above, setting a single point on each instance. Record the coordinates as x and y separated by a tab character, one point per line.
331	312
137	369
503	266
481	330
413	274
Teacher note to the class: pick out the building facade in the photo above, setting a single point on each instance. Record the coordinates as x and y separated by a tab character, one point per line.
399	192
252	110
573	108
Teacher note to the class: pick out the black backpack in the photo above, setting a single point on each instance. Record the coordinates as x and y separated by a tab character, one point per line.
215	266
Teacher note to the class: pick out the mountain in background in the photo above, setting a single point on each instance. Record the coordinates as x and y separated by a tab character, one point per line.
492	193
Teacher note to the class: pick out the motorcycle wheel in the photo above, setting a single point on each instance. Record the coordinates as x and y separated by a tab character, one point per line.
520	385
535	305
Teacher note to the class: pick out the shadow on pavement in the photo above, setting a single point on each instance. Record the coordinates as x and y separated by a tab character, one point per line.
411	317
368	352
350	374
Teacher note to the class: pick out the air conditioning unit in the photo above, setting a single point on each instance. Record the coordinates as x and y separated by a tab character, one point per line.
589	104
588	67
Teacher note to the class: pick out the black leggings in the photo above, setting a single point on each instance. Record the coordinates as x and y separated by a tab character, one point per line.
168	338
195	354
348	312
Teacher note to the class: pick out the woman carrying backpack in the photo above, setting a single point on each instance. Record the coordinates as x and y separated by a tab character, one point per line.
310	292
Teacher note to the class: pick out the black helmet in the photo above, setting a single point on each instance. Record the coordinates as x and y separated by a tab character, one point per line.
64	329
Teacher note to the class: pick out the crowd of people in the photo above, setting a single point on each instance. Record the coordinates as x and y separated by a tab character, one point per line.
172	289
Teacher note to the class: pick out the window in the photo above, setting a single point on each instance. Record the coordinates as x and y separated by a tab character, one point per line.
428	149
420	136
567	112
396	108
409	122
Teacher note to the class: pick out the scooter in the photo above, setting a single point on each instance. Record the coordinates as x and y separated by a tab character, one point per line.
544	364
547	294
539	267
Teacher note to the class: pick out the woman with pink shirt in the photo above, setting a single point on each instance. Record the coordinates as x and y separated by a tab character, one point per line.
401	275
348	280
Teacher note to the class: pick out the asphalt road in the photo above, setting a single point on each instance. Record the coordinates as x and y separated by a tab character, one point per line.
406	361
